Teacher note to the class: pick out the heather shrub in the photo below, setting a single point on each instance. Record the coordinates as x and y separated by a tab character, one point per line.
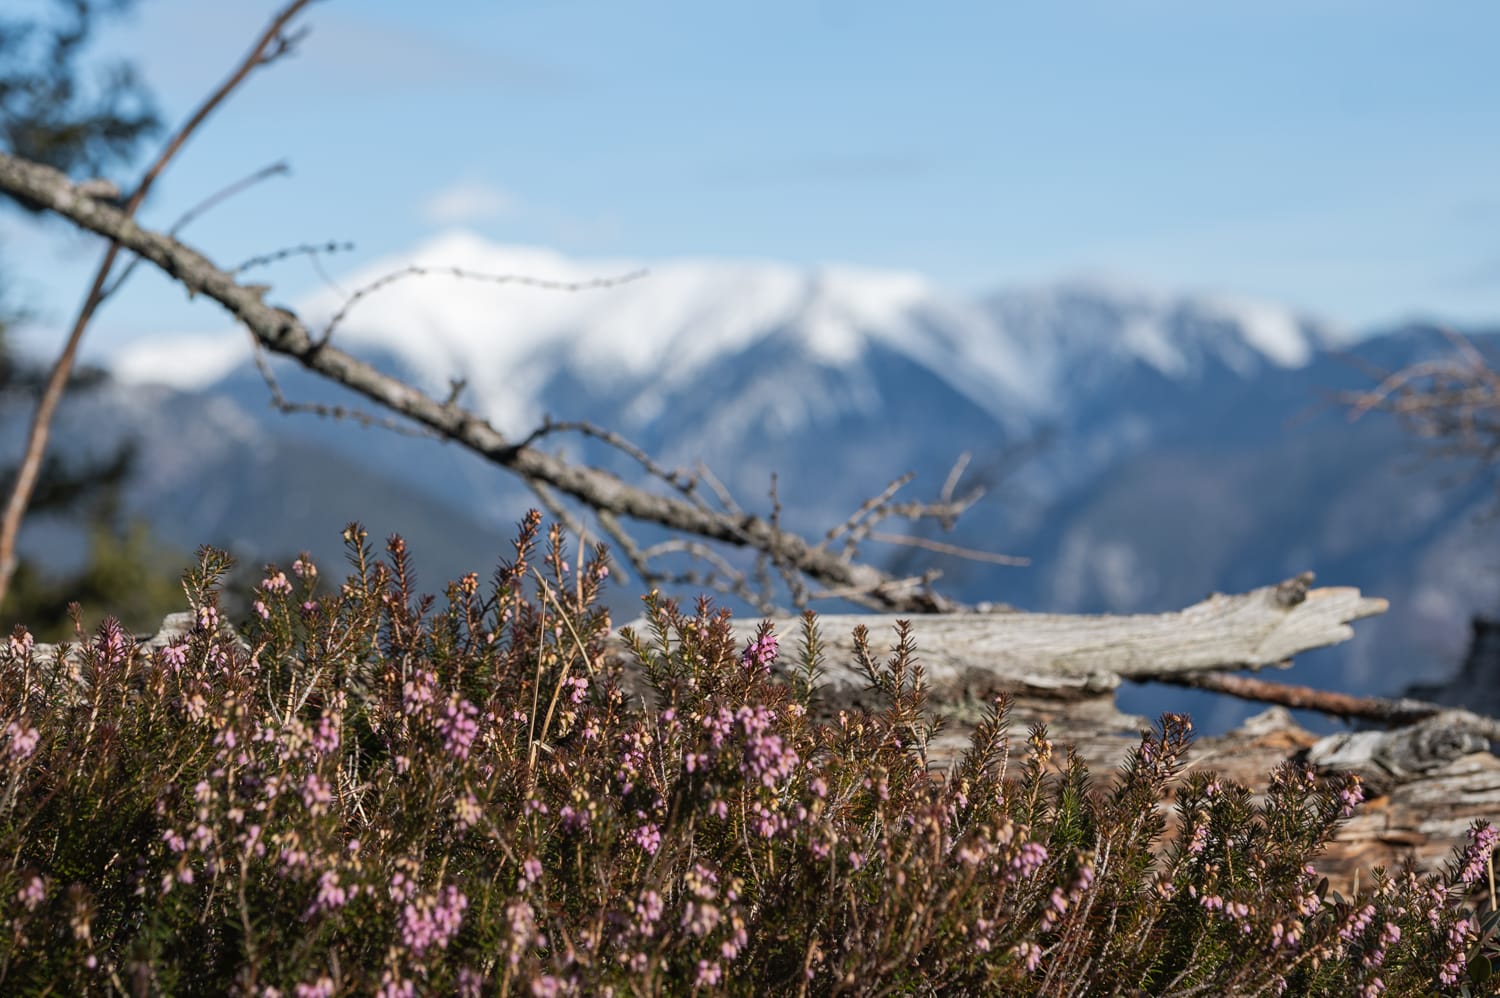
372	791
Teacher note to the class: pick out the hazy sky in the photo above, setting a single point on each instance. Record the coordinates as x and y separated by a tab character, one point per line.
1340	157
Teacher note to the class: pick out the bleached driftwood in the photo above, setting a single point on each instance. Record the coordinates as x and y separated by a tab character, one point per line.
1066	656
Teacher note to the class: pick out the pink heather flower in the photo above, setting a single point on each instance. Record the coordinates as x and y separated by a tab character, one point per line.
766	823
1030	955
1027	860
470	983
648	837
175	656
432	920
648	911
466	812
709	974
1357	924
767	759
1286	936
458	727
580	685
1460	935
1350	796
22	740
263	614
760	653
303	568
33	894
111	642
391	987
325	738
402	887
276	583
208	618
418	692
548	986
1477	852
701	919
321	988
21	643
730	948
523	931
251	842
316	795
574	820
531	872
331	894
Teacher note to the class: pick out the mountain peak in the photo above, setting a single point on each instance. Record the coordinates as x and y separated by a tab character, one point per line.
1019	351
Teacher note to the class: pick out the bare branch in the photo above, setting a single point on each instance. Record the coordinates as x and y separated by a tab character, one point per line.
282	404
1402	710
969	554
719	489
283	332
1455	400
954	474
677	479
865	508
382	283
302	249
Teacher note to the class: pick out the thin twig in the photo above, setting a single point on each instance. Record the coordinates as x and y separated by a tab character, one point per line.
197	211
676	478
282	404
303	249
719	489
865	508
969	554
559	511
382	283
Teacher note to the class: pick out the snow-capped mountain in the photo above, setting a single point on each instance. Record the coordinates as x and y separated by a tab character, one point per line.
1013	354
1174	444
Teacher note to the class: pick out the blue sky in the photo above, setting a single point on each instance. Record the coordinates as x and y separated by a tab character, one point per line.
1339	157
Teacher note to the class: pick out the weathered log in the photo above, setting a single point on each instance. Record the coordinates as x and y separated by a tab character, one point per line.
1066	656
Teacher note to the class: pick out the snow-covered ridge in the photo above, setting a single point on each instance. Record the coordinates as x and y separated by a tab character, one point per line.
685	315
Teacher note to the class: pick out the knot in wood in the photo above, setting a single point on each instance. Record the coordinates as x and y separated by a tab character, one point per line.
1294	591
